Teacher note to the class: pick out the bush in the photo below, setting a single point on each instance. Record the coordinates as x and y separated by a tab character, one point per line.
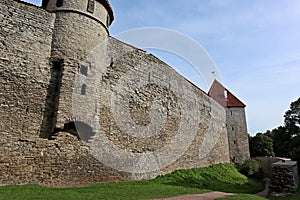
251	168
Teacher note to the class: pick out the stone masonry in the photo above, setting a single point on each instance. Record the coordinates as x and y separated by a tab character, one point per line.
284	178
78	106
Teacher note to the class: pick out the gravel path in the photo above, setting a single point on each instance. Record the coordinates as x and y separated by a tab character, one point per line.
204	196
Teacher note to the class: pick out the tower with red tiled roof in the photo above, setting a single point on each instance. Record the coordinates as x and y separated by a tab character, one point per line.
236	121
79	27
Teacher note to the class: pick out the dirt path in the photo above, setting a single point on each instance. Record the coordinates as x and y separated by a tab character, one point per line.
204	196
265	192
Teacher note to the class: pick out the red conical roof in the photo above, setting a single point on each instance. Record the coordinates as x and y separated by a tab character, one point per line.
223	96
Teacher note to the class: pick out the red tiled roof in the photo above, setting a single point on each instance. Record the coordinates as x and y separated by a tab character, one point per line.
223	96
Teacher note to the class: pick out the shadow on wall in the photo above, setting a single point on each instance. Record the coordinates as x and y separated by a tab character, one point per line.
82	130
52	98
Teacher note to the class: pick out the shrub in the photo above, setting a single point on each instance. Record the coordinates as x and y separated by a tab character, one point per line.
251	168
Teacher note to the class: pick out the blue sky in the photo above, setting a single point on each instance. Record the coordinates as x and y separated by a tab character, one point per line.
254	44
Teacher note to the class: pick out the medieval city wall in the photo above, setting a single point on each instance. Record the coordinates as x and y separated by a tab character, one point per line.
145	106
26	37
143	111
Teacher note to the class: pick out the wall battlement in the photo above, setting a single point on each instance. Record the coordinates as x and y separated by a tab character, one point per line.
50	79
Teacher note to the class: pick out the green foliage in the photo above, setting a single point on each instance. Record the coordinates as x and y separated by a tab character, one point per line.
222	177
251	168
281	142
261	145
292	118
286	139
296	154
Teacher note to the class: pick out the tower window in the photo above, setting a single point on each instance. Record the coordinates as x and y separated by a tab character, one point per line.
59	3
91	6
107	20
83	89
84	70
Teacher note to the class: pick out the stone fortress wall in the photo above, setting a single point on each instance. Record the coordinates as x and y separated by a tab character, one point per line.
47	78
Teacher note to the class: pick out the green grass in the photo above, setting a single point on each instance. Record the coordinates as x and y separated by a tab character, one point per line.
223	177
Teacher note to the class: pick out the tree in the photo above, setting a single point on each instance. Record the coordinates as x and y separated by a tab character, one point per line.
286	139
282	142
261	145
292	118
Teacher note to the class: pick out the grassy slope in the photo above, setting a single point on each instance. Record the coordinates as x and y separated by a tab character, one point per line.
222	177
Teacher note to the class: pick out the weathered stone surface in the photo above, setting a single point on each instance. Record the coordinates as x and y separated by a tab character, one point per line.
139	118
284	178
237	134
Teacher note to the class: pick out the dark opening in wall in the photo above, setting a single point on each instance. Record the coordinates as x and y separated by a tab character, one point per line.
59	3
83	89
107	20
84	70
80	129
111	63
52	99
91	6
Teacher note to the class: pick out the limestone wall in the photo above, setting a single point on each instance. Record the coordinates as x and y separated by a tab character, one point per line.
237	134
75	36
26	82
143	118
25	43
146	106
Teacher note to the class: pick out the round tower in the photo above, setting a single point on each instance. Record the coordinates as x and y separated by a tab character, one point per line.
80	26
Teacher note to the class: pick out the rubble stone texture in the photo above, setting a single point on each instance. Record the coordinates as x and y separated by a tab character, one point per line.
50	79
284	178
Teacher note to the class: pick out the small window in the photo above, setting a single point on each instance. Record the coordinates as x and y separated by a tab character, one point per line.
91	6
234	142
232	128
84	70
83	89
59	3
111	62
107	20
